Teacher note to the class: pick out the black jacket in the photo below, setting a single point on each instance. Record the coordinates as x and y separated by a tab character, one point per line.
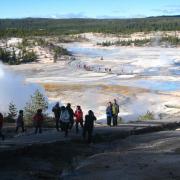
71	113
89	122
57	111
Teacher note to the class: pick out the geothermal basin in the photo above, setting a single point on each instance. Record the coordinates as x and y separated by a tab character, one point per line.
141	79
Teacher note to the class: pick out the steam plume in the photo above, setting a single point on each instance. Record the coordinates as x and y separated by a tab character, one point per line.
13	88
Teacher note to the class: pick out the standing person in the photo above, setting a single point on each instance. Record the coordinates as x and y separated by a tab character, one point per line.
38	120
89	125
1	126
109	113
115	112
57	111
65	120
20	121
71	113
78	118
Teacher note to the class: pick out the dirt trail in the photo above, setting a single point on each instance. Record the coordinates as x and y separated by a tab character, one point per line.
116	152
146	156
139	157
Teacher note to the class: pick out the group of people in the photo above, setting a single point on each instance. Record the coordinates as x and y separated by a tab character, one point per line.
96	68
112	112
38	119
65	118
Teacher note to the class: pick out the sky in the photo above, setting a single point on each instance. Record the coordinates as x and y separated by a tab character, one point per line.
88	8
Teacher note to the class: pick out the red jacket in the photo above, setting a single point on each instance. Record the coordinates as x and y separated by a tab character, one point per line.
1	121
78	115
38	118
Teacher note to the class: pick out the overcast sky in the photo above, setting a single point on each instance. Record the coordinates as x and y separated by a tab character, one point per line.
88	8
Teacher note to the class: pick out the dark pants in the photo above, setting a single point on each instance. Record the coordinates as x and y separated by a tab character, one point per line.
88	131
65	128
20	126
115	117
57	123
1	135
77	125
38	127
109	120
71	123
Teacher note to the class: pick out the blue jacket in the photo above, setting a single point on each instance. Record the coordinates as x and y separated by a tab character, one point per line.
109	111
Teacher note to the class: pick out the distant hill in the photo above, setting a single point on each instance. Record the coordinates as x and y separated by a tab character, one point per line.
45	26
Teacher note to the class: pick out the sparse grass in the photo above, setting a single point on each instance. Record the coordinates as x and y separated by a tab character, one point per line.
148	116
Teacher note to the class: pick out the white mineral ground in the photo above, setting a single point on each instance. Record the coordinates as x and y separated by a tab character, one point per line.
141	78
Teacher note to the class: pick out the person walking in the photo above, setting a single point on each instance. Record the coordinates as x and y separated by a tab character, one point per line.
1	126
20	121
65	120
38	121
78	118
115	112
71	113
57	111
109	113
89	125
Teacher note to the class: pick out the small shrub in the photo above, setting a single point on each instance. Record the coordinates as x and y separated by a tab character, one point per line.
12	112
37	101
8	119
148	116
120	120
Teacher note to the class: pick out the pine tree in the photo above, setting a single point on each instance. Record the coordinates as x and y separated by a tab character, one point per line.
37	101
12	111
55	57
13	58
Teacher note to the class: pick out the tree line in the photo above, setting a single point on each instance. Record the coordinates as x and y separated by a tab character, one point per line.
23	52
169	40
46	27
11	58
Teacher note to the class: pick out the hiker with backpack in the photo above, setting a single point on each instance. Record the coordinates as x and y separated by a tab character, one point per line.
65	120
115	112
109	113
71	113
20	121
38	121
57	111
89	125
78	118
1	126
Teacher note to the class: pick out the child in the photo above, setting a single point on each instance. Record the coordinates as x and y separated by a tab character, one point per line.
38	120
20	121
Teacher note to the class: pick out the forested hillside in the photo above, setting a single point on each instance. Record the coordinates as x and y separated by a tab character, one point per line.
38	26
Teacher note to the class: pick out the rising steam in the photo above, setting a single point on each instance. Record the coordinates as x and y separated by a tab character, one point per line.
13	88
